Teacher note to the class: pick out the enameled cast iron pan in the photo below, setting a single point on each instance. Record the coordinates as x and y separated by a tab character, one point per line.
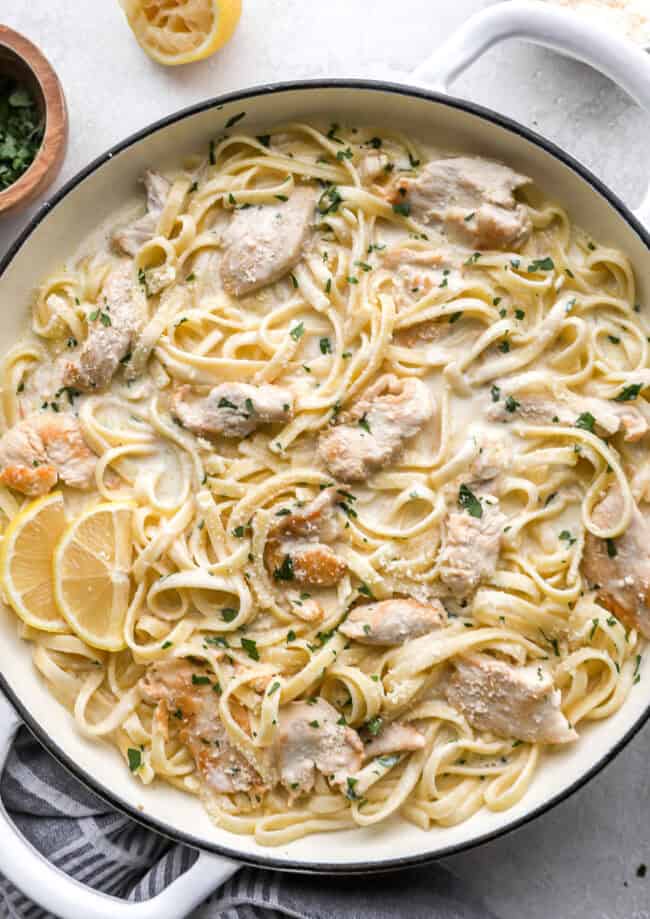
420	106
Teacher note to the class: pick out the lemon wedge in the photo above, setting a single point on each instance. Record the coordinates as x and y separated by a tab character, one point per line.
180	31
26	555
91	566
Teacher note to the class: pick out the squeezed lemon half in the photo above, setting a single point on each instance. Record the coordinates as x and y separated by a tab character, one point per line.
181	31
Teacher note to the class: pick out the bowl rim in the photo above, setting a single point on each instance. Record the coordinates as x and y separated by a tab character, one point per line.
40	733
45	166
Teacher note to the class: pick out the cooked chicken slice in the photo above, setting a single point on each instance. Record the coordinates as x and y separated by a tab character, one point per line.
537	408
311	738
416	272
471	198
112	329
296	548
373	433
394	738
232	409
131	238
43	448
263	243
173	684
471	548
392	622
620	567
519	702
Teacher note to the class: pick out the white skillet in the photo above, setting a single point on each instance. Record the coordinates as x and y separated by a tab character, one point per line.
106	185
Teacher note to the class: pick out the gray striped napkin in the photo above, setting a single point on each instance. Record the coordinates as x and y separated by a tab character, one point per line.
80	834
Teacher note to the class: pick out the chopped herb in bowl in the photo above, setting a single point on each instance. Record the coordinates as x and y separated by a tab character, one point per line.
21	130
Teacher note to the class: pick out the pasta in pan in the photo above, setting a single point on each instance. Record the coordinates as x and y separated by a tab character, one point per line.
338	450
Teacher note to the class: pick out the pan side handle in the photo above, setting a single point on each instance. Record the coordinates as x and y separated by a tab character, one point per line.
62	895
553	27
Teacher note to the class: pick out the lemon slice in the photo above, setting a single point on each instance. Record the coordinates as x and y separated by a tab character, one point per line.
91	567
26	562
180	31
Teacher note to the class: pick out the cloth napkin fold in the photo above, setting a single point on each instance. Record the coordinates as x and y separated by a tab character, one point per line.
82	836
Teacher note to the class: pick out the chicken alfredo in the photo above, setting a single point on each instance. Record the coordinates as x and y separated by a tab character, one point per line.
342	447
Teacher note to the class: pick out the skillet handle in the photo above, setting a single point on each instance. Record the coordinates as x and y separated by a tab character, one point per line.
62	895
553	27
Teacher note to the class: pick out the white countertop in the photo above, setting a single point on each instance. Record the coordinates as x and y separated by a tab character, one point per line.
580	860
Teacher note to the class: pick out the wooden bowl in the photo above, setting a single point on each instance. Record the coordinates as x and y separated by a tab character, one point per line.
21	59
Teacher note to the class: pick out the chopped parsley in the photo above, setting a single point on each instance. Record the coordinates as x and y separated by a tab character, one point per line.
135	759
273	688
511	404
612	551
363	423
542	264
334	127
403	208
455	317
250	647
586	421
325	346
469	502
329	201
349	791
297	331
200	680
629	393
374	726
228	614
21	131
285	571
495	392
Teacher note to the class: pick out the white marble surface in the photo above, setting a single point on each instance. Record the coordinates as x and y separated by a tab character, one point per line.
580	860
